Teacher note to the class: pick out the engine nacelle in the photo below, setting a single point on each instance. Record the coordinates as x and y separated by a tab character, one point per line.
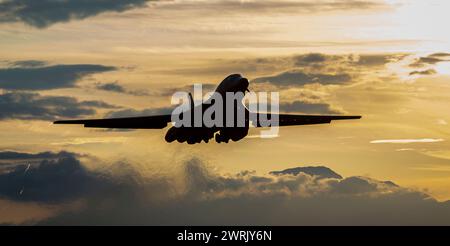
234	133
191	135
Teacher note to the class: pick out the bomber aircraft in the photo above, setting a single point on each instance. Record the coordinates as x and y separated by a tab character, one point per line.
186	129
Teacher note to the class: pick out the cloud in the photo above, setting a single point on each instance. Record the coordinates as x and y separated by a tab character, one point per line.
133	112
196	195
320	171
299	107
440	54
44	13
28	63
363	60
187	88
375	60
116	87
299	78
38	77
430	59
405	141
91	141
270	6
353	65
423	72
111	87
250	199
308	108
59	177
26	106
307	59
12	155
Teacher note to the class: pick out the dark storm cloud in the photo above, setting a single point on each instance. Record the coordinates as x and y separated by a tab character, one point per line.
37	77
116	87
299	78
423	72
57	178
308	108
44	13
12	155
296	196
26	106
306	196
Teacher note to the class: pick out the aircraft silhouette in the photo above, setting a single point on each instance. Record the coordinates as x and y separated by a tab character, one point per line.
190	134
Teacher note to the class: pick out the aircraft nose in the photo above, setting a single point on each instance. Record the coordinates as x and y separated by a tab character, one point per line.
244	83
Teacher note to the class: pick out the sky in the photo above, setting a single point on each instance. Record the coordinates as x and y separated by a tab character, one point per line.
385	60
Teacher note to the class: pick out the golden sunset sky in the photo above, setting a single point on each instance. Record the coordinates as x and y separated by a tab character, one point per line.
385	60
